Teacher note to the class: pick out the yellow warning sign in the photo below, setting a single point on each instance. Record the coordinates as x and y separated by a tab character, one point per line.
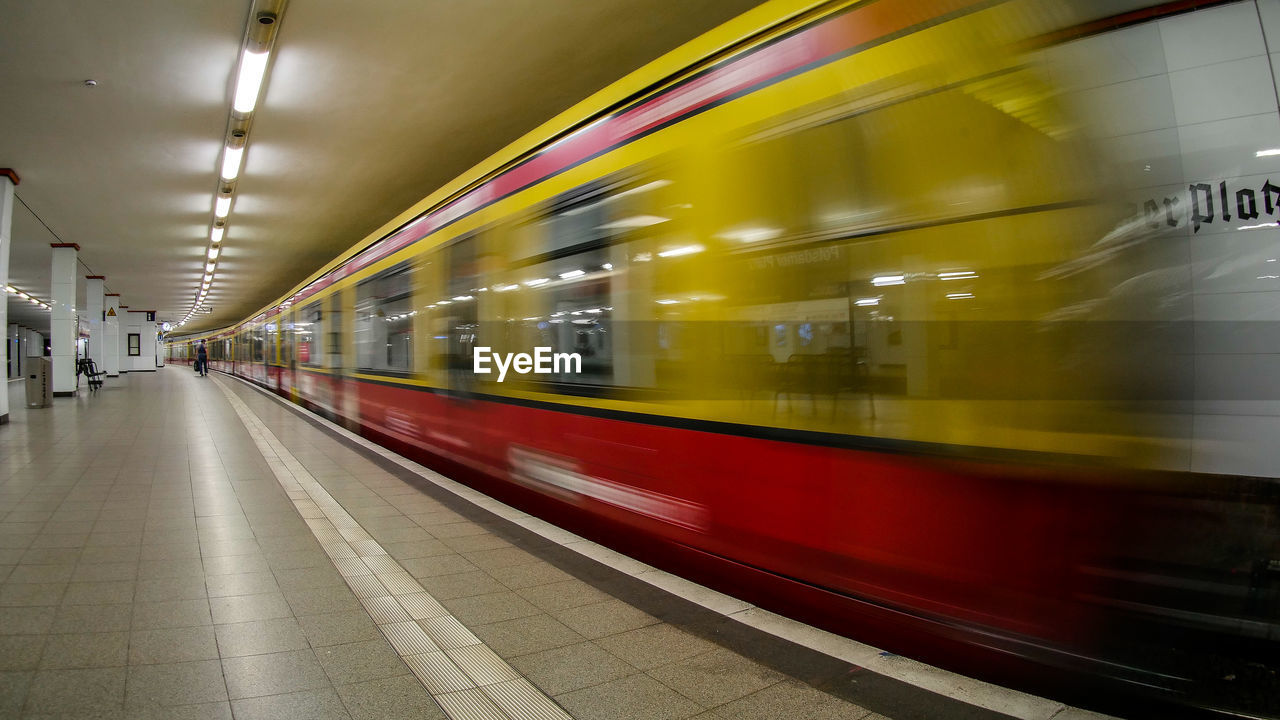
111	312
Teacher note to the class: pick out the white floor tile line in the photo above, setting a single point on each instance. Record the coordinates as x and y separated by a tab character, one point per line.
944	682
467	679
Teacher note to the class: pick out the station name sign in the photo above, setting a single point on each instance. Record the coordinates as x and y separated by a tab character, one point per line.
1205	204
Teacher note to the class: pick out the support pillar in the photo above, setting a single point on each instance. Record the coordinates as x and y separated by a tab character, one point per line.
11	346
24	342
93	309
62	323
8	181
111	335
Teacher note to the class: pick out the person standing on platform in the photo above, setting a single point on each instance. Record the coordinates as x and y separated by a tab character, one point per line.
202	360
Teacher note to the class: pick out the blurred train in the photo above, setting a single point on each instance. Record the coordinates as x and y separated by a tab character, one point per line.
859	342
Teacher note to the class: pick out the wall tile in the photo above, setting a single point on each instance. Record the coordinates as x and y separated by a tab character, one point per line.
1228	148
1215	35
1128	107
1109	58
1225	90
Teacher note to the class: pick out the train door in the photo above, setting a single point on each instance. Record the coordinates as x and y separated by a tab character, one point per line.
288	366
310	384
342	306
258	335
452	292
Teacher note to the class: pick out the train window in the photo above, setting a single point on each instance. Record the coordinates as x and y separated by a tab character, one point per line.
258	339
384	321
571	311
310	336
566	277
273	343
459	310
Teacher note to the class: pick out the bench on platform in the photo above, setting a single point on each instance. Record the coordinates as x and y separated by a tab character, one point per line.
86	367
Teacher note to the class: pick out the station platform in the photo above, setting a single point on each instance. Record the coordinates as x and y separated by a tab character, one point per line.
174	546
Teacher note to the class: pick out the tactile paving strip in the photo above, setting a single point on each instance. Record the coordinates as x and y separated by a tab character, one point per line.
467	679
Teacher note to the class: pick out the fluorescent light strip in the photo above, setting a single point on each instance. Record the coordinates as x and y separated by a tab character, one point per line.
222	205
253	66
231	158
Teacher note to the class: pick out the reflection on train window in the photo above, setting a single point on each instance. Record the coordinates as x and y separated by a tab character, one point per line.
384	321
574	315
565	301
458	310
310	335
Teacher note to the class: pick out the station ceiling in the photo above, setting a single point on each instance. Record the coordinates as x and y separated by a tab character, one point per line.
368	108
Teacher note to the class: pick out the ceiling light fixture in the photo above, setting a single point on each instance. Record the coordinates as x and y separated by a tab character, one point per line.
231	158
253	66
255	57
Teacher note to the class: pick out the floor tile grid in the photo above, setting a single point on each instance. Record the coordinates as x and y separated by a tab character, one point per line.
469	681
628	663
75	459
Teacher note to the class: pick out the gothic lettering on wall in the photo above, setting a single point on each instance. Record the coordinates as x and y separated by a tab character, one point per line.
1206	204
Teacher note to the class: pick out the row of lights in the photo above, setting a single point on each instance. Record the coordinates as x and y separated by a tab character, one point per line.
32	298
254	57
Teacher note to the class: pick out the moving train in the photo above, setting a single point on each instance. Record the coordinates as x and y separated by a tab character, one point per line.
852	328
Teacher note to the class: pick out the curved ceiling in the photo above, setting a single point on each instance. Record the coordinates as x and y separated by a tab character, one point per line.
368	108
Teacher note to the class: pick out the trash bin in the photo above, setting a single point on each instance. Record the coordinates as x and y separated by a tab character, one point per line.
40	383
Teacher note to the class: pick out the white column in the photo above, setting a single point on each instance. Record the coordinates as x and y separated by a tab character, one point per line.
11	347
111	336
93	310
22	349
62	321
8	181
35	344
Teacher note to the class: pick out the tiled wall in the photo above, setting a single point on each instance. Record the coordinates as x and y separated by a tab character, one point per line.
1192	99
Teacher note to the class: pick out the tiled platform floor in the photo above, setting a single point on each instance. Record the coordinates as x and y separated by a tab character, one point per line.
151	565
